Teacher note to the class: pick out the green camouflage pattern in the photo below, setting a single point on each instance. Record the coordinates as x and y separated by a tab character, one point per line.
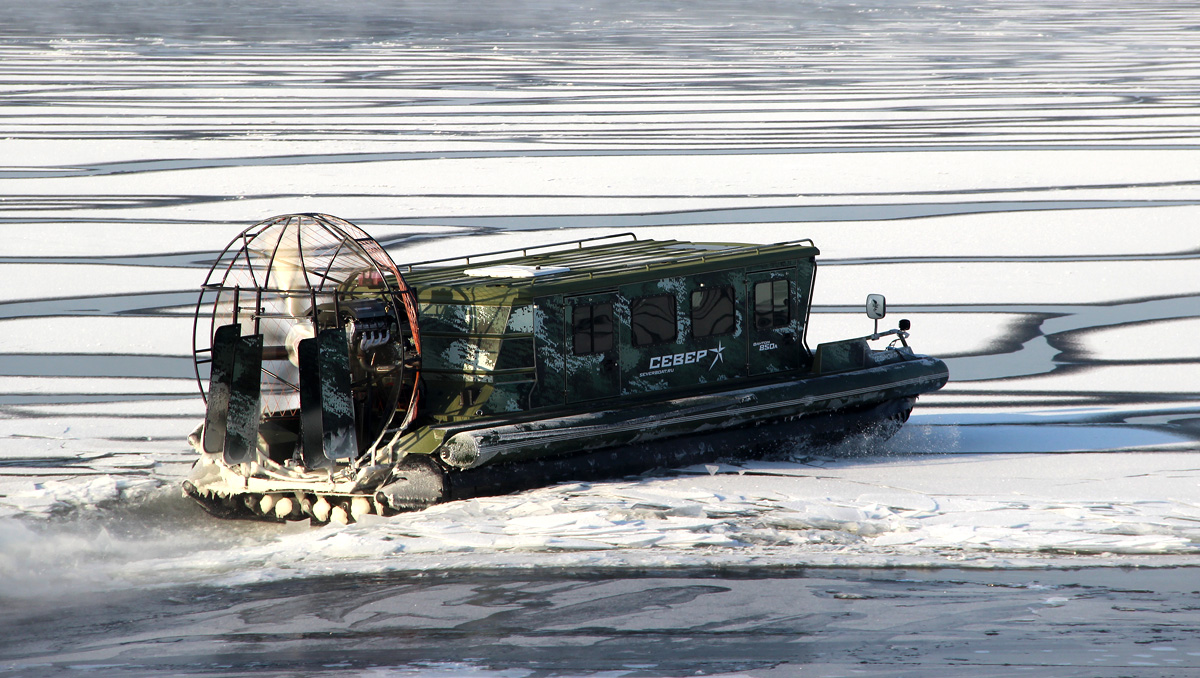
532	393
473	369
646	418
593	375
570	348
780	348
550	342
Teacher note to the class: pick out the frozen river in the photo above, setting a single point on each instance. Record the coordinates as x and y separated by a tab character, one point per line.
1019	178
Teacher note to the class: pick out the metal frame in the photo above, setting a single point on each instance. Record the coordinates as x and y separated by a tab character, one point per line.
523	250
343	232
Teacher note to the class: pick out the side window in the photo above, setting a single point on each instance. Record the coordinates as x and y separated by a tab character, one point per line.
591	328
771	307
712	311
652	320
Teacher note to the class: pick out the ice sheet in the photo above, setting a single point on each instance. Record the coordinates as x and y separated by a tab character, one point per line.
1002	510
1019	179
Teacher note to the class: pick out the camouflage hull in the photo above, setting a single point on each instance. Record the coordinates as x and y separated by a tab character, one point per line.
339	386
502	456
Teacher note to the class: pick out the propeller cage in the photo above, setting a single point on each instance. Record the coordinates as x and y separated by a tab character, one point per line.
321	310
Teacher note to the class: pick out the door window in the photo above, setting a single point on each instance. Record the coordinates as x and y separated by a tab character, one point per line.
592	328
771	307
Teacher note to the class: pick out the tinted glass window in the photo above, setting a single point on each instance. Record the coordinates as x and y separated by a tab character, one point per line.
652	320
592	328
771	308
712	311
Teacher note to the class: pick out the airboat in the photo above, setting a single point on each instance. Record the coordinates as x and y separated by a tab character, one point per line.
339	385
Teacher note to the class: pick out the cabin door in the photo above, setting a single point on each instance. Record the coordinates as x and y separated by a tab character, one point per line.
592	364
774	320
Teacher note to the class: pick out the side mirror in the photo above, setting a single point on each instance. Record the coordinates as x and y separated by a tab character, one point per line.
905	325
876	306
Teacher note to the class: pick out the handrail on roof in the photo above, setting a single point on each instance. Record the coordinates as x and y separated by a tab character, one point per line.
704	256
523	250
699	256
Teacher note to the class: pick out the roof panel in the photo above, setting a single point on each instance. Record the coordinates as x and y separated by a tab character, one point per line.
601	264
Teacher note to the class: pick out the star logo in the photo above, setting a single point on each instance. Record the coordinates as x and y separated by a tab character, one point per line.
719	358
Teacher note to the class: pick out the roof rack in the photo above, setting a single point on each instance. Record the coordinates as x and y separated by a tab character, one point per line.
523	250
704	256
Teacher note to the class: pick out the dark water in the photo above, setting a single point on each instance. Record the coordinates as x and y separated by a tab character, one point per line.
676	622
